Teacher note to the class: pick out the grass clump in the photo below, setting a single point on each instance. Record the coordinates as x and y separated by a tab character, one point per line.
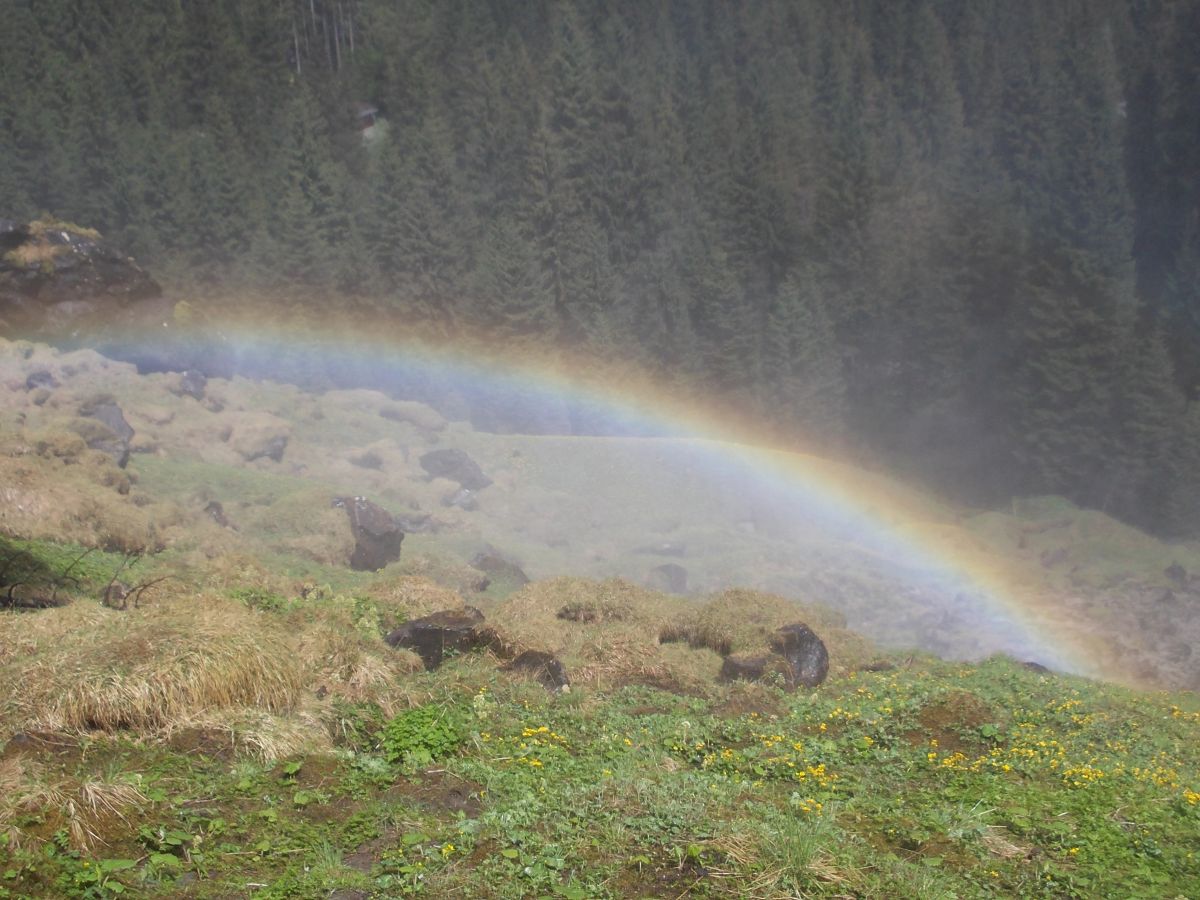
397	599
39	250
55	489
143	669
742	621
605	632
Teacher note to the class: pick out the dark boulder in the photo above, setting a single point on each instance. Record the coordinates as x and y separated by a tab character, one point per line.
216	512
430	637
1036	667
455	464
670	578
804	652
797	658
192	383
40	379
545	668
112	433
377	535
1177	573
500	571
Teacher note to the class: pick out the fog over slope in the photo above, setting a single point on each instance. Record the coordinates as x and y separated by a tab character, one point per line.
1043	581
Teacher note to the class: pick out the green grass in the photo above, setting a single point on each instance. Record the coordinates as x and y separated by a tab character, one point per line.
936	780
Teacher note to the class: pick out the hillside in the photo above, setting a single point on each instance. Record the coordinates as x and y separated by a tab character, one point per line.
961	238
231	722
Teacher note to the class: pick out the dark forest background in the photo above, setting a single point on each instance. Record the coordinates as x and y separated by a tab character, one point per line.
961	236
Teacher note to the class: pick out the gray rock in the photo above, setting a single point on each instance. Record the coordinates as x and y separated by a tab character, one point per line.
804	652
61	281
464	499
455	464
42	378
115	434
192	383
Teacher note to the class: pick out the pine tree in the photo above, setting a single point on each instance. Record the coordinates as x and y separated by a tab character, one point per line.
1147	416
803	367
722	317
307	217
514	301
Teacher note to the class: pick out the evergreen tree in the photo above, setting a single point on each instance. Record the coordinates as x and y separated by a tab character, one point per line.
803	366
306	218
514	300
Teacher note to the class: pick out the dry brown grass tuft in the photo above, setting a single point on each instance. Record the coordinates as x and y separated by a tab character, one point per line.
449	573
35	253
409	597
83	808
24	636
262	734
53	488
146	669
742	621
610	634
343	661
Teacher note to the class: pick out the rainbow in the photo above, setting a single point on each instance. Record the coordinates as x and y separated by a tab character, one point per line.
909	532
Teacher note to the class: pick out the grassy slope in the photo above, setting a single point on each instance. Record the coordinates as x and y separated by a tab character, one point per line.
229	736
929	780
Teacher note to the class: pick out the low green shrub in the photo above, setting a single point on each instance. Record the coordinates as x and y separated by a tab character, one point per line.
419	736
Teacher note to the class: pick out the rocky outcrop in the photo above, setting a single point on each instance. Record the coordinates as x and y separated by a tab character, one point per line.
107	430
804	653
192	383
430	637
798	658
456	465
377	535
60	281
42	378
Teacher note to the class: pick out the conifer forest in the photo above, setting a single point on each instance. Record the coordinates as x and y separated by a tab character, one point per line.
958	237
